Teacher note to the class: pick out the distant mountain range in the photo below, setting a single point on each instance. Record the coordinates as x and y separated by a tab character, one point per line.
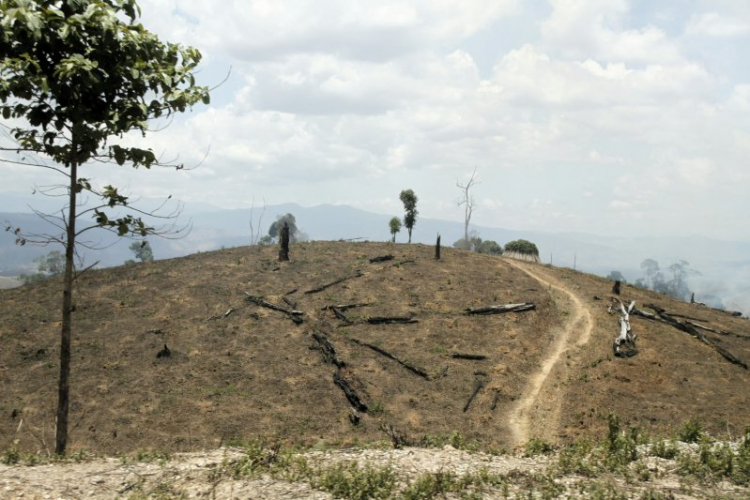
724	266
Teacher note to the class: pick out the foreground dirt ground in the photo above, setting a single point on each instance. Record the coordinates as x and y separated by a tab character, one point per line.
416	473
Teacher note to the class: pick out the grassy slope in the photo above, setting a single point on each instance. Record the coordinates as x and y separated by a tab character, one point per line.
254	372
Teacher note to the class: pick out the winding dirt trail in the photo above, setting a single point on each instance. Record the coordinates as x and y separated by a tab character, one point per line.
538	410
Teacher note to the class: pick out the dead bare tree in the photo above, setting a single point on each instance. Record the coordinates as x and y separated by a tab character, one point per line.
467	200
255	231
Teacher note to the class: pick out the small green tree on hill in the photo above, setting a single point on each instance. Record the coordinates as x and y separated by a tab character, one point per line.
76	76
395	227
409	199
523	247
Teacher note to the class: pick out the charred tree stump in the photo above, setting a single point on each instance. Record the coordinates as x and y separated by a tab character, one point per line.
349	392
495	399
437	248
284	251
616	288
164	353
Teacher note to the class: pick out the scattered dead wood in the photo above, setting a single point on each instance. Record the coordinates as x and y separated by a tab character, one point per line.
478	385
354	416
399	439
691	329
382	258
405	364
351	394
294	315
332	283
391	320
524	306
719	332
219	316
341	316
475	357
344	307
327	350
495	399
292	304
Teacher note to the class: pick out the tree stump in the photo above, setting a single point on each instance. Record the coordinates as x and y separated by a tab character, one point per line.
284	252
437	248
616	288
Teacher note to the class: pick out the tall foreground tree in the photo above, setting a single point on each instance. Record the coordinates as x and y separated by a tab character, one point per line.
75	76
409	199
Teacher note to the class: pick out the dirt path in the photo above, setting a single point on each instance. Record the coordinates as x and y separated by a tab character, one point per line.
537	412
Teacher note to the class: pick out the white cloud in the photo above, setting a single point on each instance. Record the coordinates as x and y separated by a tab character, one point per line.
714	24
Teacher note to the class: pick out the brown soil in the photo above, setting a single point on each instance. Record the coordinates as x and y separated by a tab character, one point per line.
256	373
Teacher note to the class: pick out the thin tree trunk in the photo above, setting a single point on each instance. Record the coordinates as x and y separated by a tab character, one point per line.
409	235
63	401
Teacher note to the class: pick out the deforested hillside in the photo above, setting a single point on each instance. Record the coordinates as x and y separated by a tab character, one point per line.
340	346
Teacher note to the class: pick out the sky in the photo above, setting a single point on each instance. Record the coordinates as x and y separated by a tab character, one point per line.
615	117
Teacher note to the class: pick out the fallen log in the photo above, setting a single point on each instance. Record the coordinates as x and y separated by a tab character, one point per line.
391	320
332	283
624	344
405	364
344	307
219	316
720	332
524	306
382	258
475	357
478	384
294	315
292	304
351	394
327	350
341	316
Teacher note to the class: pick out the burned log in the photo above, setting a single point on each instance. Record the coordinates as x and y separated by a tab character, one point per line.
382	258
344	307
474	357
327	350
292	304
405	364
478	385
719	332
351	394
524	306
332	283
391	320
341	316
294	315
